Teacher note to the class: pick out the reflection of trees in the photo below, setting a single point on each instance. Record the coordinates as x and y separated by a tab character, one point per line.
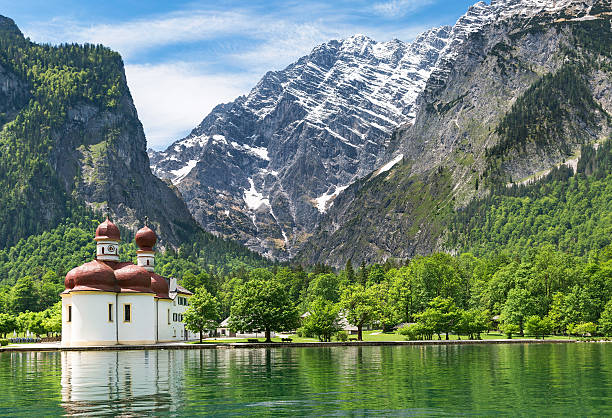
30	378
488	379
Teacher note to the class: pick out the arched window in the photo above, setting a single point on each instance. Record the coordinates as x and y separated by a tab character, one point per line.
102	250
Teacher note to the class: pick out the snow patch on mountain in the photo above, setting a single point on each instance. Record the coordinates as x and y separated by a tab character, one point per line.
182	172
254	199
325	201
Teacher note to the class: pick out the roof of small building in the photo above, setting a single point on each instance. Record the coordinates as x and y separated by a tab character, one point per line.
181	289
224	323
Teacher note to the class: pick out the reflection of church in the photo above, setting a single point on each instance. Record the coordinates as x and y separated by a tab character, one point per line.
108	302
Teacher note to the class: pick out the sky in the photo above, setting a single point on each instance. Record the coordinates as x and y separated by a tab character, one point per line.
182	58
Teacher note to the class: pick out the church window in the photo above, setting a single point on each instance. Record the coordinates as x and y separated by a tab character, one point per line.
110	312
168	316
127	312
102	250
147	262
69	313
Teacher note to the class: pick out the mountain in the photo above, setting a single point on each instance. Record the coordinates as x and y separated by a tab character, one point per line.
519	88
265	168
71	147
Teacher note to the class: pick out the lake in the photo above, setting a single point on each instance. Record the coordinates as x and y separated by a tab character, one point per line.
538	379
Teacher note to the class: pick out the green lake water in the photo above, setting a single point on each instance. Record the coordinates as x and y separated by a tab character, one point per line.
535	380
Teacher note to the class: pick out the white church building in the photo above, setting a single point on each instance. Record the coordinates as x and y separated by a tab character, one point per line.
108	302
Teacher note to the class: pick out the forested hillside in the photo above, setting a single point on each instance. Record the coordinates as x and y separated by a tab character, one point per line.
570	210
517	96
70	137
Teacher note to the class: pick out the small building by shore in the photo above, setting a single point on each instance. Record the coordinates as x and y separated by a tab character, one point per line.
224	330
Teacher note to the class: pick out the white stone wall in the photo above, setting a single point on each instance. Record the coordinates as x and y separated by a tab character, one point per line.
107	250
141	328
164	311
66	326
178	328
146	259
90	323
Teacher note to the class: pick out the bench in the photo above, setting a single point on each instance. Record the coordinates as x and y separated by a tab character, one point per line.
286	340
252	340
353	339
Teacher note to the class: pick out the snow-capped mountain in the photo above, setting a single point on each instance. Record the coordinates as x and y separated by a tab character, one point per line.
264	168
510	62
267	167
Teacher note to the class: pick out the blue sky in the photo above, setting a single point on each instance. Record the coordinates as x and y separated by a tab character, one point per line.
184	57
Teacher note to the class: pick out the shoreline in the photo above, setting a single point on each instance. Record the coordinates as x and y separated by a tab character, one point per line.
210	346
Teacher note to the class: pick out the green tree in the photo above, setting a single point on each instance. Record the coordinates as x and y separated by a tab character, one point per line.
323	320
203	312
518	306
473	322
605	321
23	296
350	272
52	319
325	286
8	324
262	304
509	329
538	327
583	329
442	316
404	294
360	306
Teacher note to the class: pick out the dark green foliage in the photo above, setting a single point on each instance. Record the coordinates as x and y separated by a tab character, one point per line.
541	115
571	211
48	80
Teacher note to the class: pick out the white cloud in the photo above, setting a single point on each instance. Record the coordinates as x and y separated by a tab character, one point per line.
399	8
174	98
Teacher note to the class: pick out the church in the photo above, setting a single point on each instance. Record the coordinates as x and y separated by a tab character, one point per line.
109	302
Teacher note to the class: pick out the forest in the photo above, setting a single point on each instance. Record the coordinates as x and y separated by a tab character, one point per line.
537	257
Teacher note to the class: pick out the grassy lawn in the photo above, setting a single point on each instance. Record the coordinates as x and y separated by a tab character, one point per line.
378	335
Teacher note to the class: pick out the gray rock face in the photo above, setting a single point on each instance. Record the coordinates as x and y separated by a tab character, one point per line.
265	168
97	155
101	158
495	54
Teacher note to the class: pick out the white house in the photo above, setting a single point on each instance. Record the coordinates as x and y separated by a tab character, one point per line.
224	331
108	302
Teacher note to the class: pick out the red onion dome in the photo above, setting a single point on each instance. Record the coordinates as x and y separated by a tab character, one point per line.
69	280
108	230
159	285
94	275
132	278
146	239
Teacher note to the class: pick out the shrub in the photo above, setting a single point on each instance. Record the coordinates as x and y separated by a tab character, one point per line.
583	329
416	331
342	336
3	343
510	329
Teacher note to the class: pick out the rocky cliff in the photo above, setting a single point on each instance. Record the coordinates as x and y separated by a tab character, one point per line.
519	87
265	168
71	137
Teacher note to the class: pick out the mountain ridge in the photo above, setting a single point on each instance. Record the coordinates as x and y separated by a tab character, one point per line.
339	103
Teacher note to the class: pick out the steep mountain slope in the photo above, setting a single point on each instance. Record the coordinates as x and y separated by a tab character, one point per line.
71	139
263	169
521	85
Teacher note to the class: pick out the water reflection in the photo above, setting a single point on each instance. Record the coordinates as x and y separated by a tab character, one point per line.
488	380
